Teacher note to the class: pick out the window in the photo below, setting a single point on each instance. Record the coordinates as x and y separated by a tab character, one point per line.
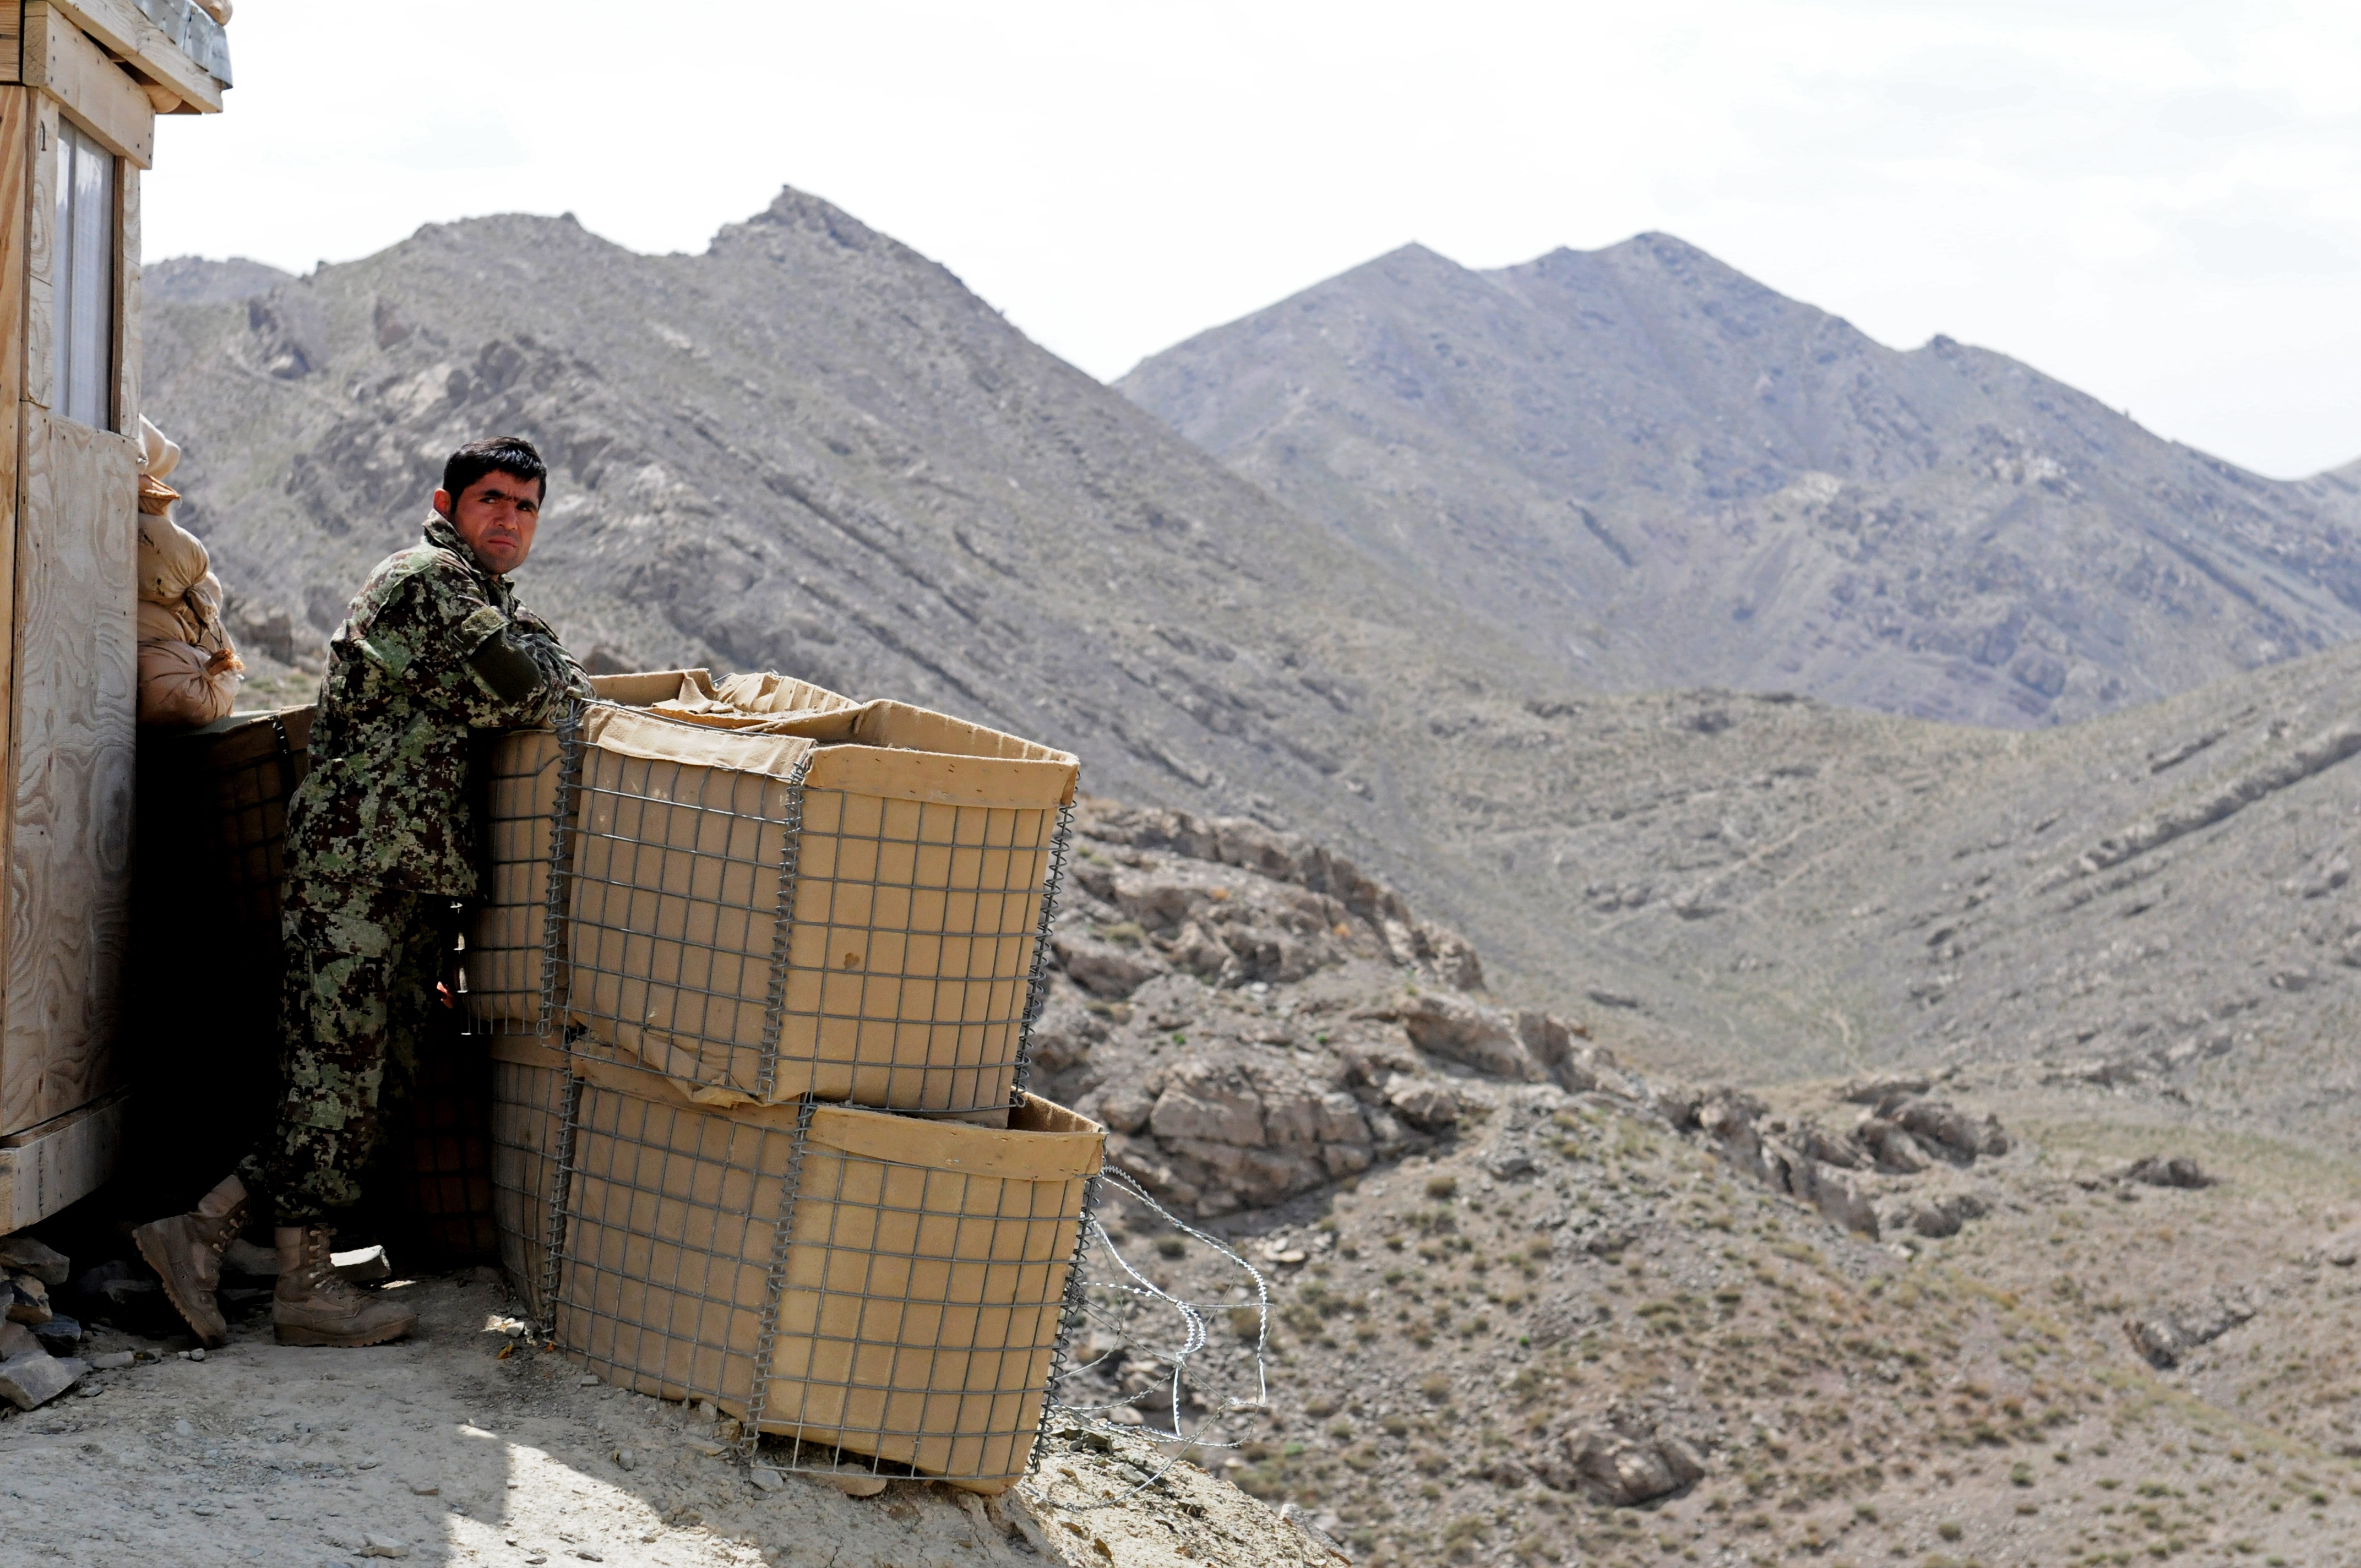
84	271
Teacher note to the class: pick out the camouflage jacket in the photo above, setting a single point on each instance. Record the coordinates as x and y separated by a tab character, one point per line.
433	647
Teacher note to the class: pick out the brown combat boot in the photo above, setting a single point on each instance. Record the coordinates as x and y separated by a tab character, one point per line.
315	1305
185	1251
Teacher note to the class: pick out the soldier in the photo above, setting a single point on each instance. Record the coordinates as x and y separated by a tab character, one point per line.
379	845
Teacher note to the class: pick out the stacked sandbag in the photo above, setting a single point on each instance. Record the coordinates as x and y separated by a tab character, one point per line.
189	669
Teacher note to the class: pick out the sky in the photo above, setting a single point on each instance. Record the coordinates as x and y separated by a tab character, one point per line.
2158	202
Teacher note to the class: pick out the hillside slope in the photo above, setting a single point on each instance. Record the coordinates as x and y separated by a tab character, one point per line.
2162	896
1658	473
810	449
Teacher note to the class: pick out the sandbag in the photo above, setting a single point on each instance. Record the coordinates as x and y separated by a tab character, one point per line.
913	1311
181	684
171	559
158	453
168	622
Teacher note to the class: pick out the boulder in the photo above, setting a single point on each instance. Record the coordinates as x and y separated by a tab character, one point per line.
2163	1170
1941	1128
2165	1334
1877	1091
1210	1101
1421	1102
1103	967
30	1381
1828	1149
25	1254
1458	1029
1567	1056
1932	1217
1895	1150
1198	951
1835	1194
1622	1466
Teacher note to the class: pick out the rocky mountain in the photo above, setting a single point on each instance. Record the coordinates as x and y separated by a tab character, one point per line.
193	280
1656	472
810	449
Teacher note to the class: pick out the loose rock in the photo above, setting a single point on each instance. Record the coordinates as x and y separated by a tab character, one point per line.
31	1381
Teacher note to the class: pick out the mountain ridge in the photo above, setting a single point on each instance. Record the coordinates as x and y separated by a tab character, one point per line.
1657	471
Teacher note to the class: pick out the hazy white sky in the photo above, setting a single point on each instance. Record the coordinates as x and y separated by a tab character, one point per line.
2159	202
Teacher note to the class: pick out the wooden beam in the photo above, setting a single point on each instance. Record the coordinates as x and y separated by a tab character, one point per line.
21	111
127	302
100	94
12	38
46	1168
40	368
124	30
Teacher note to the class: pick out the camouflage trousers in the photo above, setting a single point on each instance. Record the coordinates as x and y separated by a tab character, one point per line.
362	962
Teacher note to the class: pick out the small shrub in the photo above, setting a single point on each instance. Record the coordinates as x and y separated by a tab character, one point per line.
1948	1530
1442	1186
1170	1247
1437	1386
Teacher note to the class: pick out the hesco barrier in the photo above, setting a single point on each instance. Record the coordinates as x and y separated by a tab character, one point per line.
772	891
862	1283
524	779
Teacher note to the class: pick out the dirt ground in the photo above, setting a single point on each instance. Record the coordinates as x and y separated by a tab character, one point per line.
445	1449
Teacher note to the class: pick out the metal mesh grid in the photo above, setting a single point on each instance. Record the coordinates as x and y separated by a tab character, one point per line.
250	773
754	934
444	1152
509	939
529	1114
920	1313
875	1312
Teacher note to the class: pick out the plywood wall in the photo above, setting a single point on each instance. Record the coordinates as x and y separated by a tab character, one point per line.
66	803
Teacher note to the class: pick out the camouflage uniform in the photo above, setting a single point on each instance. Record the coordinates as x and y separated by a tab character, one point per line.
381	846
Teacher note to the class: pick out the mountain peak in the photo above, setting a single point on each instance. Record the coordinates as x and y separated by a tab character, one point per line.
1661	471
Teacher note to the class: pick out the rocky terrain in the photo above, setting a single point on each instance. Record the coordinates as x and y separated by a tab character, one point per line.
1531	1306
464	1445
1530	1300
1660	473
1783	889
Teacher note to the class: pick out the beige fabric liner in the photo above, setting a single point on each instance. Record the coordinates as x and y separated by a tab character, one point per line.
924	1279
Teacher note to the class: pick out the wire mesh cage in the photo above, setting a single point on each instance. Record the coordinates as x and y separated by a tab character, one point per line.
204	923
850	902
877	1289
508	939
534	1101
440	1148
525	781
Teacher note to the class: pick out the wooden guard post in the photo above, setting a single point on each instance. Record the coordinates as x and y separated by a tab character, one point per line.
68	552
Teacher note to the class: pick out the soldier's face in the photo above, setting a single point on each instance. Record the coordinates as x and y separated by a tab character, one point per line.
495	516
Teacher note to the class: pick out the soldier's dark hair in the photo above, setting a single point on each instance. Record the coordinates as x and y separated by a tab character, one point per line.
511	454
